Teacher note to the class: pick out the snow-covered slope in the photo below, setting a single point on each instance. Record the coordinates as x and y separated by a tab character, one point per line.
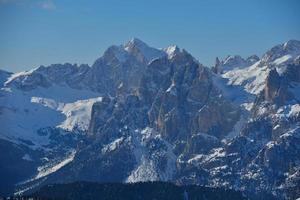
252	77
24	113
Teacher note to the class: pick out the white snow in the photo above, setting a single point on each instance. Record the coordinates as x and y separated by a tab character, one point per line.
16	75
23	113
236	93
148	52
295	109
53	167
287	111
146	168
282	59
171	51
47	102
248	106
233	62
78	114
295	132
270	144
144	172
112	146
196	158
172	89
215	154
251	78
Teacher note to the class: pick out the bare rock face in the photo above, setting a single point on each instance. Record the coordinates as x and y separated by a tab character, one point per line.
216	67
101	112
273	84
186	101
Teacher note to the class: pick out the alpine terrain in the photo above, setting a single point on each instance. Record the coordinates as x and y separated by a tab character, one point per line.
142	114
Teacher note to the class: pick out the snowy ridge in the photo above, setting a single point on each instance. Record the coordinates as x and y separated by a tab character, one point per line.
17	75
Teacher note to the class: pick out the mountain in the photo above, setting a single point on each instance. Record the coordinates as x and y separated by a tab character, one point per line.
144	114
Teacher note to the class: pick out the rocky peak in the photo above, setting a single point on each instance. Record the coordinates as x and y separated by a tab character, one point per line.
276	88
292	46
282	52
232	62
137	43
252	59
216	67
172	51
142	51
272	85
115	54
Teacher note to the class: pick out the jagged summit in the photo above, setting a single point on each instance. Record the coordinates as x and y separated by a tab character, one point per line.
232	62
283	52
252	59
146	114
293	45
142	51
172	50
135	42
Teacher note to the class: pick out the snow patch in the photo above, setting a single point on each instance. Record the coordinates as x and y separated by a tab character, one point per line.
146	168
112	146
53	167
282	59
144	172
295	109
171	51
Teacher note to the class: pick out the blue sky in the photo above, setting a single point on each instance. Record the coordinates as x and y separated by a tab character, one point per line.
42	32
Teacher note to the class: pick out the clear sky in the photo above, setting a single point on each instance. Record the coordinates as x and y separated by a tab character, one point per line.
42	32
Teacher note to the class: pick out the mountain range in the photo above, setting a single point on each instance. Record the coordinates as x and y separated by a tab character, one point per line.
143	114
